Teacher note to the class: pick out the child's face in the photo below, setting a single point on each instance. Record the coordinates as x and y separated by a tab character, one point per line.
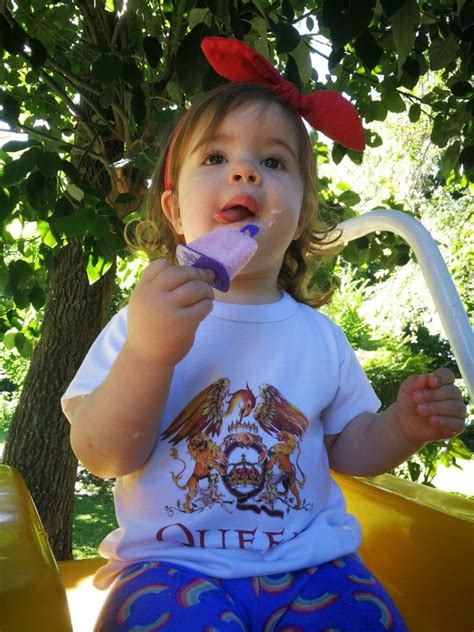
247	171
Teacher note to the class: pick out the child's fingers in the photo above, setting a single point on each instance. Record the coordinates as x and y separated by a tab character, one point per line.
448	391
153	269
169	277
177	276
440	377
451	425
198	311
192	292
454	408
414	383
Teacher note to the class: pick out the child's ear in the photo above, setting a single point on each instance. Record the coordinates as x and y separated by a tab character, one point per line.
170	206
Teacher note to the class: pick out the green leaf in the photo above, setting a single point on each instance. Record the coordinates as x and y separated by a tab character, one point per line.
220	10
191	64
466	159
47	236
82	223
3	276
349	198
414	469
390	7
373	139
37	297
291	72
9	339
107	69
377	110
16	170
72	225
287	10
138	104
38	54
411	73
12	38
20	340
368	50
132	74
71	172
466	16
302	57
75	192
40	192
6	204
347	19
19	274
414	112
11	110
63	207
450	158
261	27
287	36
461	88
19	145
153	49
50	164
404	25
338	153
440	133
96	268
394	101
443	52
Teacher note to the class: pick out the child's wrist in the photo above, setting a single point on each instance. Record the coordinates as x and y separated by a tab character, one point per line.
144	360
398	427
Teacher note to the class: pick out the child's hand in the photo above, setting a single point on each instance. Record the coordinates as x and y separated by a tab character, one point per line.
165	310
430	407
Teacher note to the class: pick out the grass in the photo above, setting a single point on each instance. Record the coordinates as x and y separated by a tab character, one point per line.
94	517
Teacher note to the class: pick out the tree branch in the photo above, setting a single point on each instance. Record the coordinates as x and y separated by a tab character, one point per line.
89	19
32	131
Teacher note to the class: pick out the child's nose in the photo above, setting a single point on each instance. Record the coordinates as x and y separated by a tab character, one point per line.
245	171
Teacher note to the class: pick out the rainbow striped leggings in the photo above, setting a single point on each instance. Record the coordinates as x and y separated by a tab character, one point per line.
338	596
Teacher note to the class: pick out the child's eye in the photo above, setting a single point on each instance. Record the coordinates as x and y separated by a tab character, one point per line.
214	158
273	162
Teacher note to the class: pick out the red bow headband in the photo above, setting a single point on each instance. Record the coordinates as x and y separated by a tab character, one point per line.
327	110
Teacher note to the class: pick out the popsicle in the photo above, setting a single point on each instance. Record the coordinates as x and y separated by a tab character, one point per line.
225	250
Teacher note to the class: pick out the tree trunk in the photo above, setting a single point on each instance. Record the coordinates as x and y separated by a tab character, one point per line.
38	440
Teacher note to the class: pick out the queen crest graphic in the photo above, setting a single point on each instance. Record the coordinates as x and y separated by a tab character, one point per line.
244	451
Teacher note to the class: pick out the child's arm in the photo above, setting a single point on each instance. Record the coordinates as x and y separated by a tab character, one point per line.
114	428
428	408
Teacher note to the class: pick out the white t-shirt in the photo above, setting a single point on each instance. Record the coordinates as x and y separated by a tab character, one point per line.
238	484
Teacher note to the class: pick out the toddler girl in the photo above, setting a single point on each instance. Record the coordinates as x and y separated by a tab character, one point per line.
220	414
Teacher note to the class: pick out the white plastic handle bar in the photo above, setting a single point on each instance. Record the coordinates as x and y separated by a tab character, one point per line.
433	267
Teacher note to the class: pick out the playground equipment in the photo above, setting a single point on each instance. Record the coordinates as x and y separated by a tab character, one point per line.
417	540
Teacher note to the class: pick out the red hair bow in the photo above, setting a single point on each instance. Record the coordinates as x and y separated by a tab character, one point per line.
326	110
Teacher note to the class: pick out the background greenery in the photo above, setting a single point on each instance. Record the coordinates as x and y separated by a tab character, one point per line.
93	86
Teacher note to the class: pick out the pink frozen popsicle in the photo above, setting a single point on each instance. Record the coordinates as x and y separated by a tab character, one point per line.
226	251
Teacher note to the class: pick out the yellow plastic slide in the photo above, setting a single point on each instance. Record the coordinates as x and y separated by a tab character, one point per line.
418	541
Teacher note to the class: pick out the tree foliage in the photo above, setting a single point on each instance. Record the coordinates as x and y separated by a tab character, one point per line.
102	81
95	85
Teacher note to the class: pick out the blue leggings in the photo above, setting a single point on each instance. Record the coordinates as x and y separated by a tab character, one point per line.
340	596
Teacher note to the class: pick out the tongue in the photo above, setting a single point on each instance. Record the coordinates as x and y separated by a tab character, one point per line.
230	215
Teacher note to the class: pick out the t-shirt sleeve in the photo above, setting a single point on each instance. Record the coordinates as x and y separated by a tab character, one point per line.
100	357
354	394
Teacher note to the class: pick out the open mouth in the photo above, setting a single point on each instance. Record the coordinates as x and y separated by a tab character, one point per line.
237	209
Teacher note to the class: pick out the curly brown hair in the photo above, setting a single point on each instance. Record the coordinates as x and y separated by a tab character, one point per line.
155	234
